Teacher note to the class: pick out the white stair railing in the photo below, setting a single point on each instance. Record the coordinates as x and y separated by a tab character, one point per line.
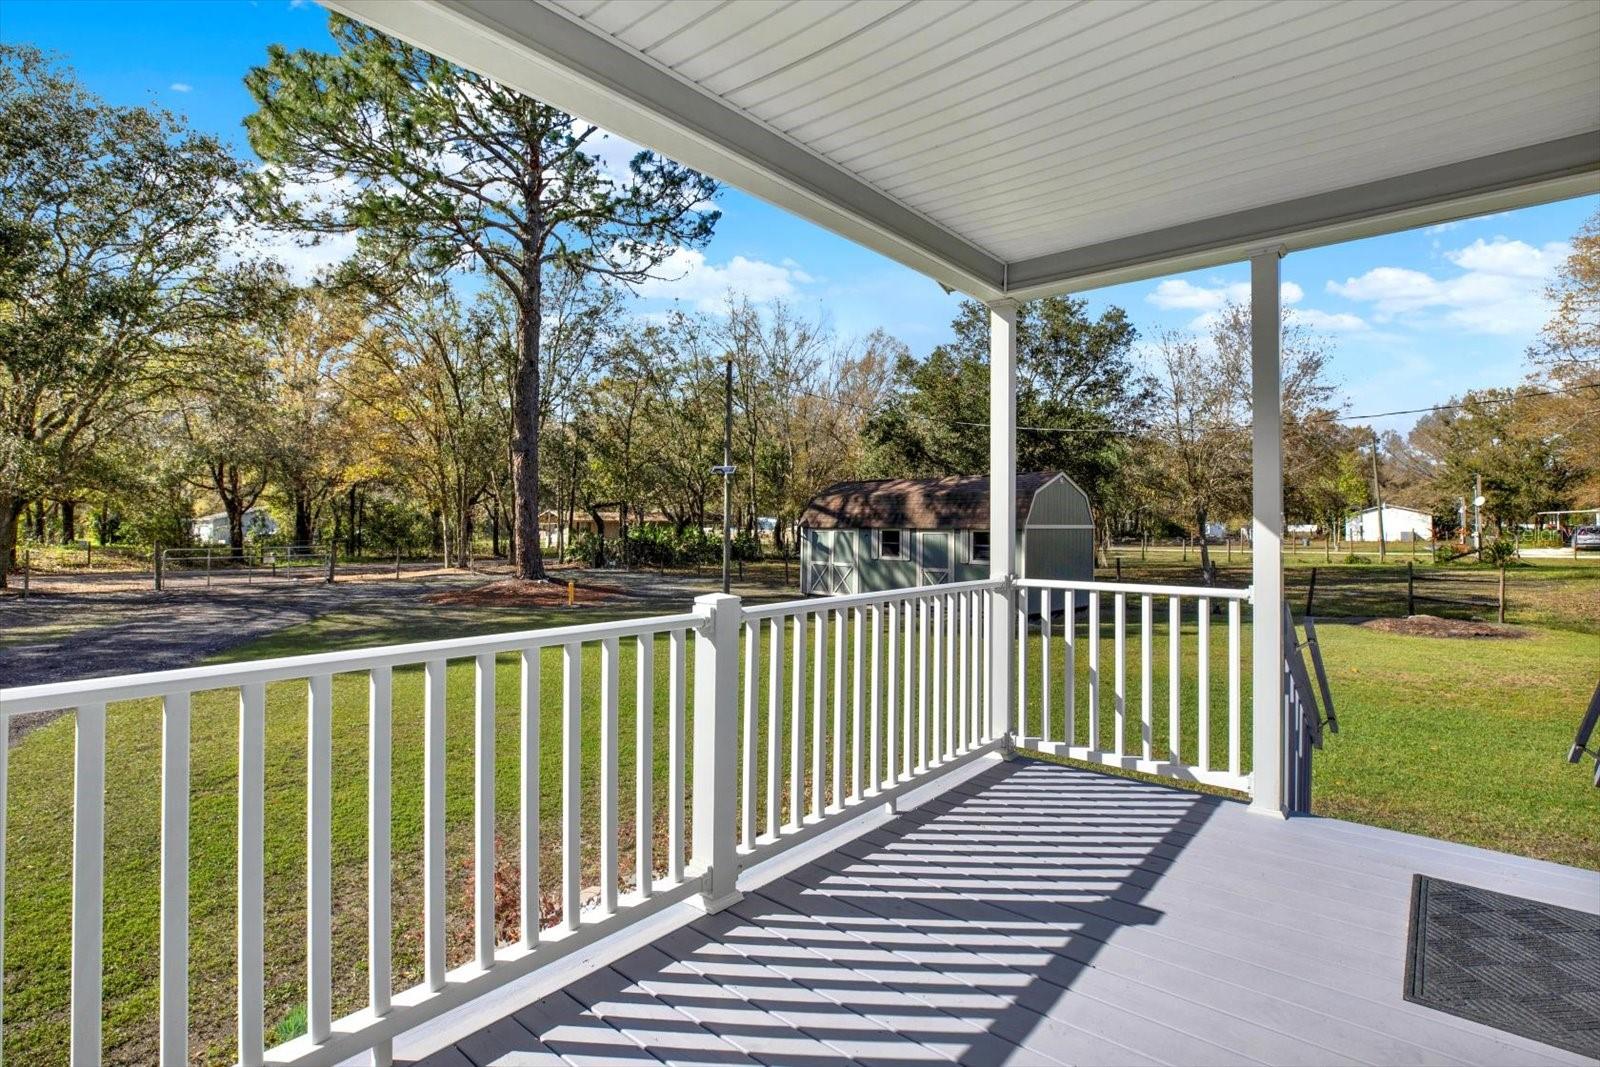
1061	702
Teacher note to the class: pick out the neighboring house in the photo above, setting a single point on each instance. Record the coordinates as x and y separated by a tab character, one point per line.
1399	524
213	529
861	537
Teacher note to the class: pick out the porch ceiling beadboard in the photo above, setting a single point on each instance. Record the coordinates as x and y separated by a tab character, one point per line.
1021	147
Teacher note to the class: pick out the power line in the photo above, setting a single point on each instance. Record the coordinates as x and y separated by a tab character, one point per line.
1466	403
1528	395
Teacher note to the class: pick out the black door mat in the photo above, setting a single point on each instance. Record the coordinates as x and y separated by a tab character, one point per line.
1518	965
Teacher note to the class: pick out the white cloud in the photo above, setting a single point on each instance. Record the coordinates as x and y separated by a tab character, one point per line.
1330	321
181	87
1500	290
688	276
1178	294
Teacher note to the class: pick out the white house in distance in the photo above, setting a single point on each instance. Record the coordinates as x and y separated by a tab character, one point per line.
213	529
1399	524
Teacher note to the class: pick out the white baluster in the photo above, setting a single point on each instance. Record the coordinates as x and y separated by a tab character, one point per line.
528	896
677	651
88	880
1092	635
483	925
858	641
774	720
797	723
252	869
1069	639
1044	663
837	740
939	718
819	633
874	695
175	881
610	701
1203	681
1146	712
1174	633
571	778
433	753
891	707
1119	616
380	925
1234	767
922	685
644	740
908	673
747	792
319	858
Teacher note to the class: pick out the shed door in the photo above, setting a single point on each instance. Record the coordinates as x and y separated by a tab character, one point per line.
933	557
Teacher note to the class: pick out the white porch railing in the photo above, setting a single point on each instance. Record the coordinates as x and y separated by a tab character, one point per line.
1066	705
801	715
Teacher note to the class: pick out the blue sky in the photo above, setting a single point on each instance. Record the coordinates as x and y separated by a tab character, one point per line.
1414	317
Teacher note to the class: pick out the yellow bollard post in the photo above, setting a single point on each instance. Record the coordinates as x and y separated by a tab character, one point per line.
572	593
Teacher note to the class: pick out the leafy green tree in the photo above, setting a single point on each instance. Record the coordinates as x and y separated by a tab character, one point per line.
445	170
112	222
1080	395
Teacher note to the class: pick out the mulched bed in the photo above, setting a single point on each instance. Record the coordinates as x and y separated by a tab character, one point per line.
512	592
1433	626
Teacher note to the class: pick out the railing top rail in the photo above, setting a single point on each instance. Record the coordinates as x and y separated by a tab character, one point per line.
56	696
1138	589
853	600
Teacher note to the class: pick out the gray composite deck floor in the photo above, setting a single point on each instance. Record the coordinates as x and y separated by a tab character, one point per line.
1040	914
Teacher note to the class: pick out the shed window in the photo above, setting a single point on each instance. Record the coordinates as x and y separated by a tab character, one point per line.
978	551
891	544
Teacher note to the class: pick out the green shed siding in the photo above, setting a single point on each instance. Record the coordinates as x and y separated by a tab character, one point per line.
1056	541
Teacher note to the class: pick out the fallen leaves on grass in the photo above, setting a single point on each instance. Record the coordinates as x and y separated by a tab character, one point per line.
514	592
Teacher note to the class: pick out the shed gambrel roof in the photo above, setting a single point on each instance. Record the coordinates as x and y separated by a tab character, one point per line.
960	502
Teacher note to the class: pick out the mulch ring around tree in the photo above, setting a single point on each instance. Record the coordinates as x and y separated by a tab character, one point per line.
513	592
1434	626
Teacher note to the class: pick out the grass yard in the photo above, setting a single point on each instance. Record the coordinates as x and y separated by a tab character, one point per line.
1455	739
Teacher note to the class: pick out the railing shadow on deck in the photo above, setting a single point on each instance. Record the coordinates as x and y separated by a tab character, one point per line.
960	924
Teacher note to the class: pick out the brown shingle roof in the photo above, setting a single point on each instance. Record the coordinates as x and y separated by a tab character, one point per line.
956	503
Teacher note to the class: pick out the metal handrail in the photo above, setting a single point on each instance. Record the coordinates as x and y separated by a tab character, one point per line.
1586	728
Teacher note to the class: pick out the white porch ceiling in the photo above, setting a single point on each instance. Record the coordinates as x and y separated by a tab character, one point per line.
1025	146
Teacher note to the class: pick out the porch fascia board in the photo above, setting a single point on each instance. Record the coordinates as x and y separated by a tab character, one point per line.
556	59
1522	177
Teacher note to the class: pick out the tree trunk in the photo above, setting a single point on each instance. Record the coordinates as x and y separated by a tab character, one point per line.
69	522
303	534
494	530
1208	570
11	509
352	541
38	520
529	560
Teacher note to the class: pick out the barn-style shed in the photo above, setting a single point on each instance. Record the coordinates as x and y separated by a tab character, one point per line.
862	537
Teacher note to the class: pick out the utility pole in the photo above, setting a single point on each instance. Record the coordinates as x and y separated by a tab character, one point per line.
1377	491
727	471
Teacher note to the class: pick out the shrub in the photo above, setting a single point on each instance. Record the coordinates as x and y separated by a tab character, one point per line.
1499	552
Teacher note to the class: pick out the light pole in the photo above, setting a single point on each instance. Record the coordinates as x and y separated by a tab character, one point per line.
1477	515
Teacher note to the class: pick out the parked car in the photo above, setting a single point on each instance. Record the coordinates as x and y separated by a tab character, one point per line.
1586	537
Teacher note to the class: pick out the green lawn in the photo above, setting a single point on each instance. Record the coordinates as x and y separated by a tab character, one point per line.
1456	739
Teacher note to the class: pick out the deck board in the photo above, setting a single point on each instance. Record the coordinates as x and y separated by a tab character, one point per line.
1037	914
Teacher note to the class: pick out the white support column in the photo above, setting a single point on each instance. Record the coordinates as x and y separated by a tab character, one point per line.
1002	505
1266	536
716	749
